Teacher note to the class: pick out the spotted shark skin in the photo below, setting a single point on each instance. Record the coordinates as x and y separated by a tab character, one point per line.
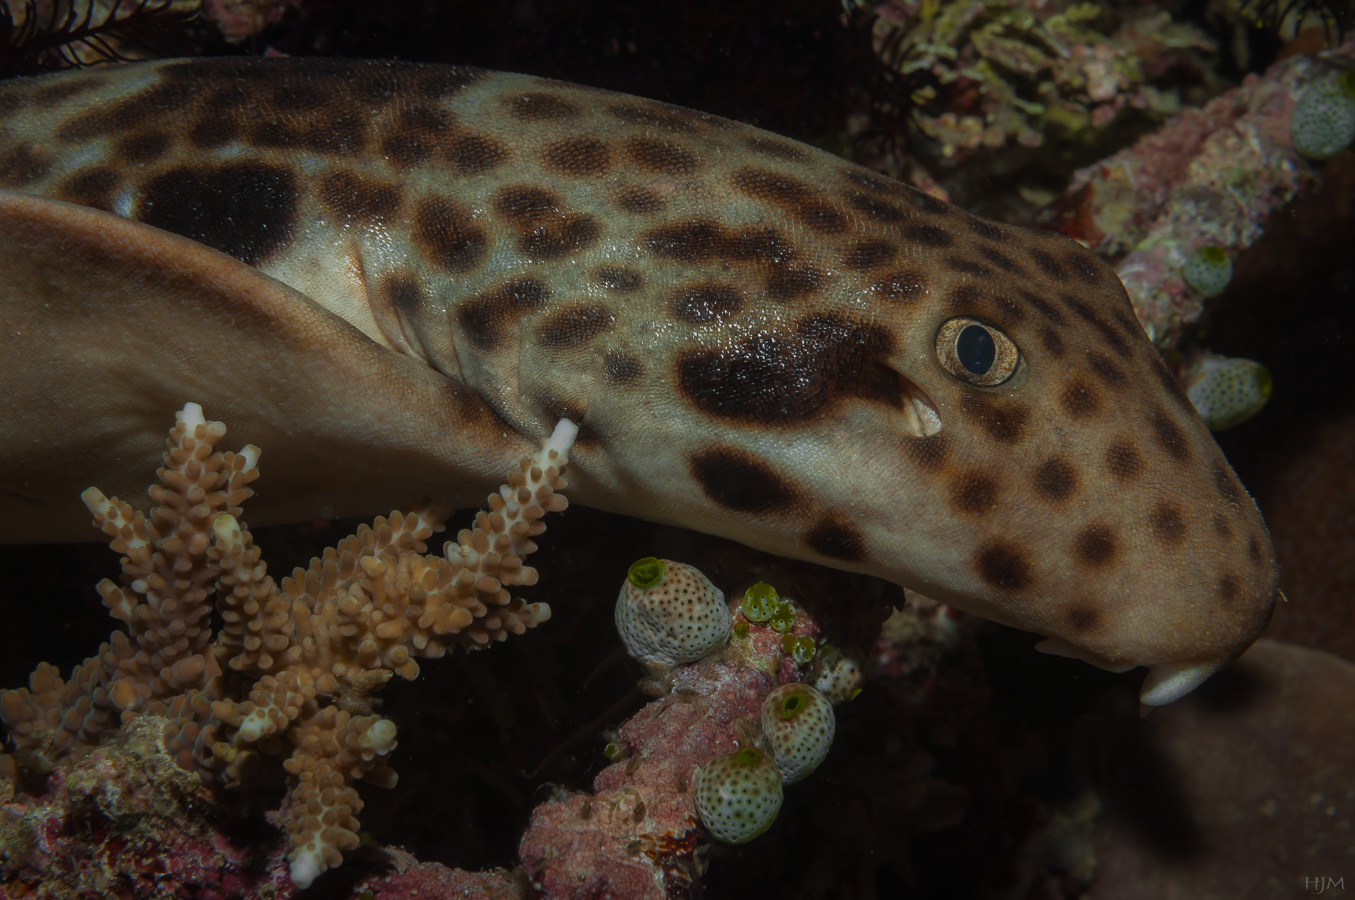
425	267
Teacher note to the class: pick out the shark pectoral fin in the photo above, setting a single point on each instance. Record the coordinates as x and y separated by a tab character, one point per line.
108	326
1169	682
1060	647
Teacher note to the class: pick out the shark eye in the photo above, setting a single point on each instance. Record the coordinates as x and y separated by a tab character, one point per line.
976	353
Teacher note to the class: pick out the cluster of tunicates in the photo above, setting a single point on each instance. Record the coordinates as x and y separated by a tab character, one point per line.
667	614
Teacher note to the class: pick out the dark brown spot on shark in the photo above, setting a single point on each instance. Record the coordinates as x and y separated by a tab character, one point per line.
906	286
656	115
93	187
142	148
928	235
1051	341
928	204
1048	264
739	481
1221	526
1253	550
1083	617
1123	461
621	280
706	303
1002	419
245	210
1107	371
1084	266
1169	436
578	157
966	266
661	157
1004	566
485	318
783	150
1055	479
1109	333
1001	260
640	201
1095	545
974	492
837	539
358	199
539	107
1229	587
403	293
873	181
876	209
1080	400
792	195
985	229
573	325
546	229
1044	308
23	165
621	369
869	254
447	237
150	106
475	154
1167	522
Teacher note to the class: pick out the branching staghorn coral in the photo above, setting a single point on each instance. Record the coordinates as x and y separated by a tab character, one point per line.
295	665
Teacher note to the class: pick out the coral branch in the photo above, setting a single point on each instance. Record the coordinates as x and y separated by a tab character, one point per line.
295	666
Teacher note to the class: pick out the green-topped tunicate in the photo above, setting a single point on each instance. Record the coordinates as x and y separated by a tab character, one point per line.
1208	270
738	795
760	603
839	677
801	649
669	613
1323	123
1227	391
799	724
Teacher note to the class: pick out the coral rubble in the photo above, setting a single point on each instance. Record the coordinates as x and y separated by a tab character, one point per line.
294	668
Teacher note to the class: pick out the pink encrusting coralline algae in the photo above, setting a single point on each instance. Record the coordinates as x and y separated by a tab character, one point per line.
1209	178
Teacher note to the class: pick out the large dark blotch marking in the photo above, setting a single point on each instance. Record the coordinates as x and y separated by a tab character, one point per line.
485	318
661	157
737	480
246	210
578	157
546	229
778	378
974	492
1170	437
1055	479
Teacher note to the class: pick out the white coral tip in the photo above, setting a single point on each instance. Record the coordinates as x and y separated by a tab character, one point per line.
191	416
250	454
562	438
95	501
227	530
305	867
